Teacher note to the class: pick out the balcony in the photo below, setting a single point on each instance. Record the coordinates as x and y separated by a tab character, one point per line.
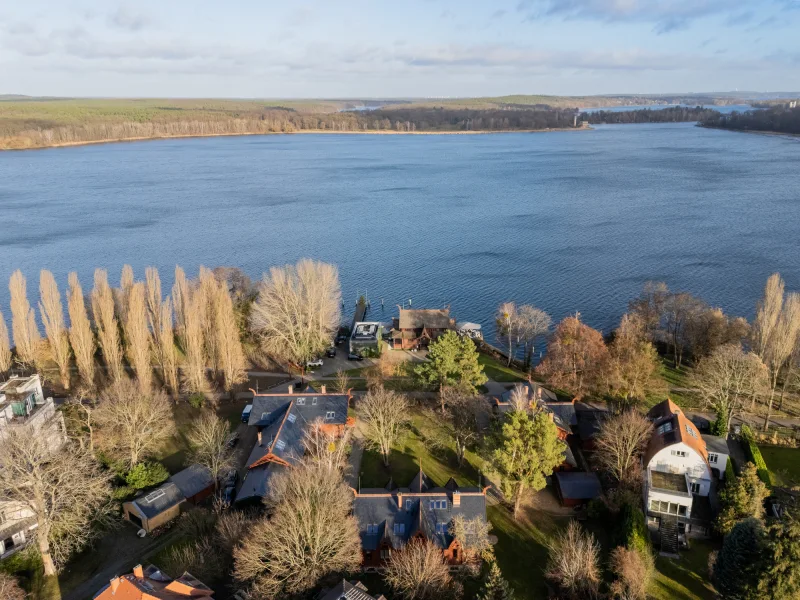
674	484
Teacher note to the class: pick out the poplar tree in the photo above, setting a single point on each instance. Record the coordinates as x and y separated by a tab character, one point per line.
106	324
23	321
5	346
52	311
80	331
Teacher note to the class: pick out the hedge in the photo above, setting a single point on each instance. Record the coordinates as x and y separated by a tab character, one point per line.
754	454
633	532
730	474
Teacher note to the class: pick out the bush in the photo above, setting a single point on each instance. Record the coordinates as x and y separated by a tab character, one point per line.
730	474
146	474
123	493
633	531
197	400
754	454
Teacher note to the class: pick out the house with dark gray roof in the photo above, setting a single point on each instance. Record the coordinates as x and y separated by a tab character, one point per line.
281	421
389	518
348	590
161	505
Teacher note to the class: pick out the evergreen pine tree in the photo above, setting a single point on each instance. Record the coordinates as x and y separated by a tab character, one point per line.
495	587
736	571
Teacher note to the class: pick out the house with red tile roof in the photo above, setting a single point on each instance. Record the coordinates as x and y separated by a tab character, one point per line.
152	584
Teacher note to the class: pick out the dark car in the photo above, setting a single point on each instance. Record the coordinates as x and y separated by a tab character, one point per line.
354	356
330	352
229	495
229	479
233	439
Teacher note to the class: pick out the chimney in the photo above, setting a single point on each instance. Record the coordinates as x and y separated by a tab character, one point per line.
114	585
400	500
259	437
322	389
138	572
456	498
291	388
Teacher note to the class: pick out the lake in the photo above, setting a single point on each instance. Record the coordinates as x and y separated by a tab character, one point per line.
568	221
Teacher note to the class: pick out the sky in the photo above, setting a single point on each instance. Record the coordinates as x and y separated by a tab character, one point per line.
380	49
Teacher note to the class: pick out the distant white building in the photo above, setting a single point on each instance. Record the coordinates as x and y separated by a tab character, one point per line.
23	405
681	469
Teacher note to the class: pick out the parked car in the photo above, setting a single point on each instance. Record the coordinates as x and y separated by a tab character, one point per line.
230	478
354	356
246	413
229	495
233	439
314	363
331	352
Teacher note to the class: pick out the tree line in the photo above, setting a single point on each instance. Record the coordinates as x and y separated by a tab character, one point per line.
673	114
778	119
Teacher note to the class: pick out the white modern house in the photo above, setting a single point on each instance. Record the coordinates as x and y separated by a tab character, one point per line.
682	468
23	406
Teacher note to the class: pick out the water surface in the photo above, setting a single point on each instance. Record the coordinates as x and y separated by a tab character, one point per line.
568	221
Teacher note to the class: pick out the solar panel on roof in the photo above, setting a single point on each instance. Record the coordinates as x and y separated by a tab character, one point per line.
281	445
292	418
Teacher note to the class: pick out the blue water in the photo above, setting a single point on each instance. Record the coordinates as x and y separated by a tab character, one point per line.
568	221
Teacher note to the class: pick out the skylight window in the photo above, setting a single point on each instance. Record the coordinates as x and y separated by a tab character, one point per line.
441	528
399	529
152	496
301	402
690	431
331	414
372	529
292	418
280	445
665	428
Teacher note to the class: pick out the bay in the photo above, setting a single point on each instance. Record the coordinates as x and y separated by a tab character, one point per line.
568	221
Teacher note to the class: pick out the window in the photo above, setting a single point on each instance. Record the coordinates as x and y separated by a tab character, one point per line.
712	458
292	418
264	416
301	402
690	431
681	453
152	496
280	445
313	402
682	510
409	504
386	553
331	414
695	488
372	529
441	528
665	428
399	529
437	504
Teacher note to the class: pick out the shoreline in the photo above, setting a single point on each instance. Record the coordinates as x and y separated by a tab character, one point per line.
756	131
300	131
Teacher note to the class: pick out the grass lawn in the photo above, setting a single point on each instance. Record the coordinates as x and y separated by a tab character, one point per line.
783	464
497	371
685	578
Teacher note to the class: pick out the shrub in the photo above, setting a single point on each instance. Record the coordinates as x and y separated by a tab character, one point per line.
633	531
754	454
122	493
146	474
197	400
730	474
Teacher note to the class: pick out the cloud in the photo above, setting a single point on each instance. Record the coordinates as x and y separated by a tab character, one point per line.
742	18
129	20
665	15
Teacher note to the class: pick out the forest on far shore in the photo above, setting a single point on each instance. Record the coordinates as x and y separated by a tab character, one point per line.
778	119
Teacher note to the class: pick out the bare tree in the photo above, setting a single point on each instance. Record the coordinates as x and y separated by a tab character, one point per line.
298	310
126	280
634	570
230	355
725	379
194	368
342	381
508	328
153	282
385	414
419	571
23	321
619	445
106	324
52	312
325	448
66	490
649	306
680	309
534	324
180	299
133	422
464	412
310	534
632	367
166	341
208	438
472	534
775	332
519	399
137	336
208	288
83	405
5	346
9	588
574	563
80	331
